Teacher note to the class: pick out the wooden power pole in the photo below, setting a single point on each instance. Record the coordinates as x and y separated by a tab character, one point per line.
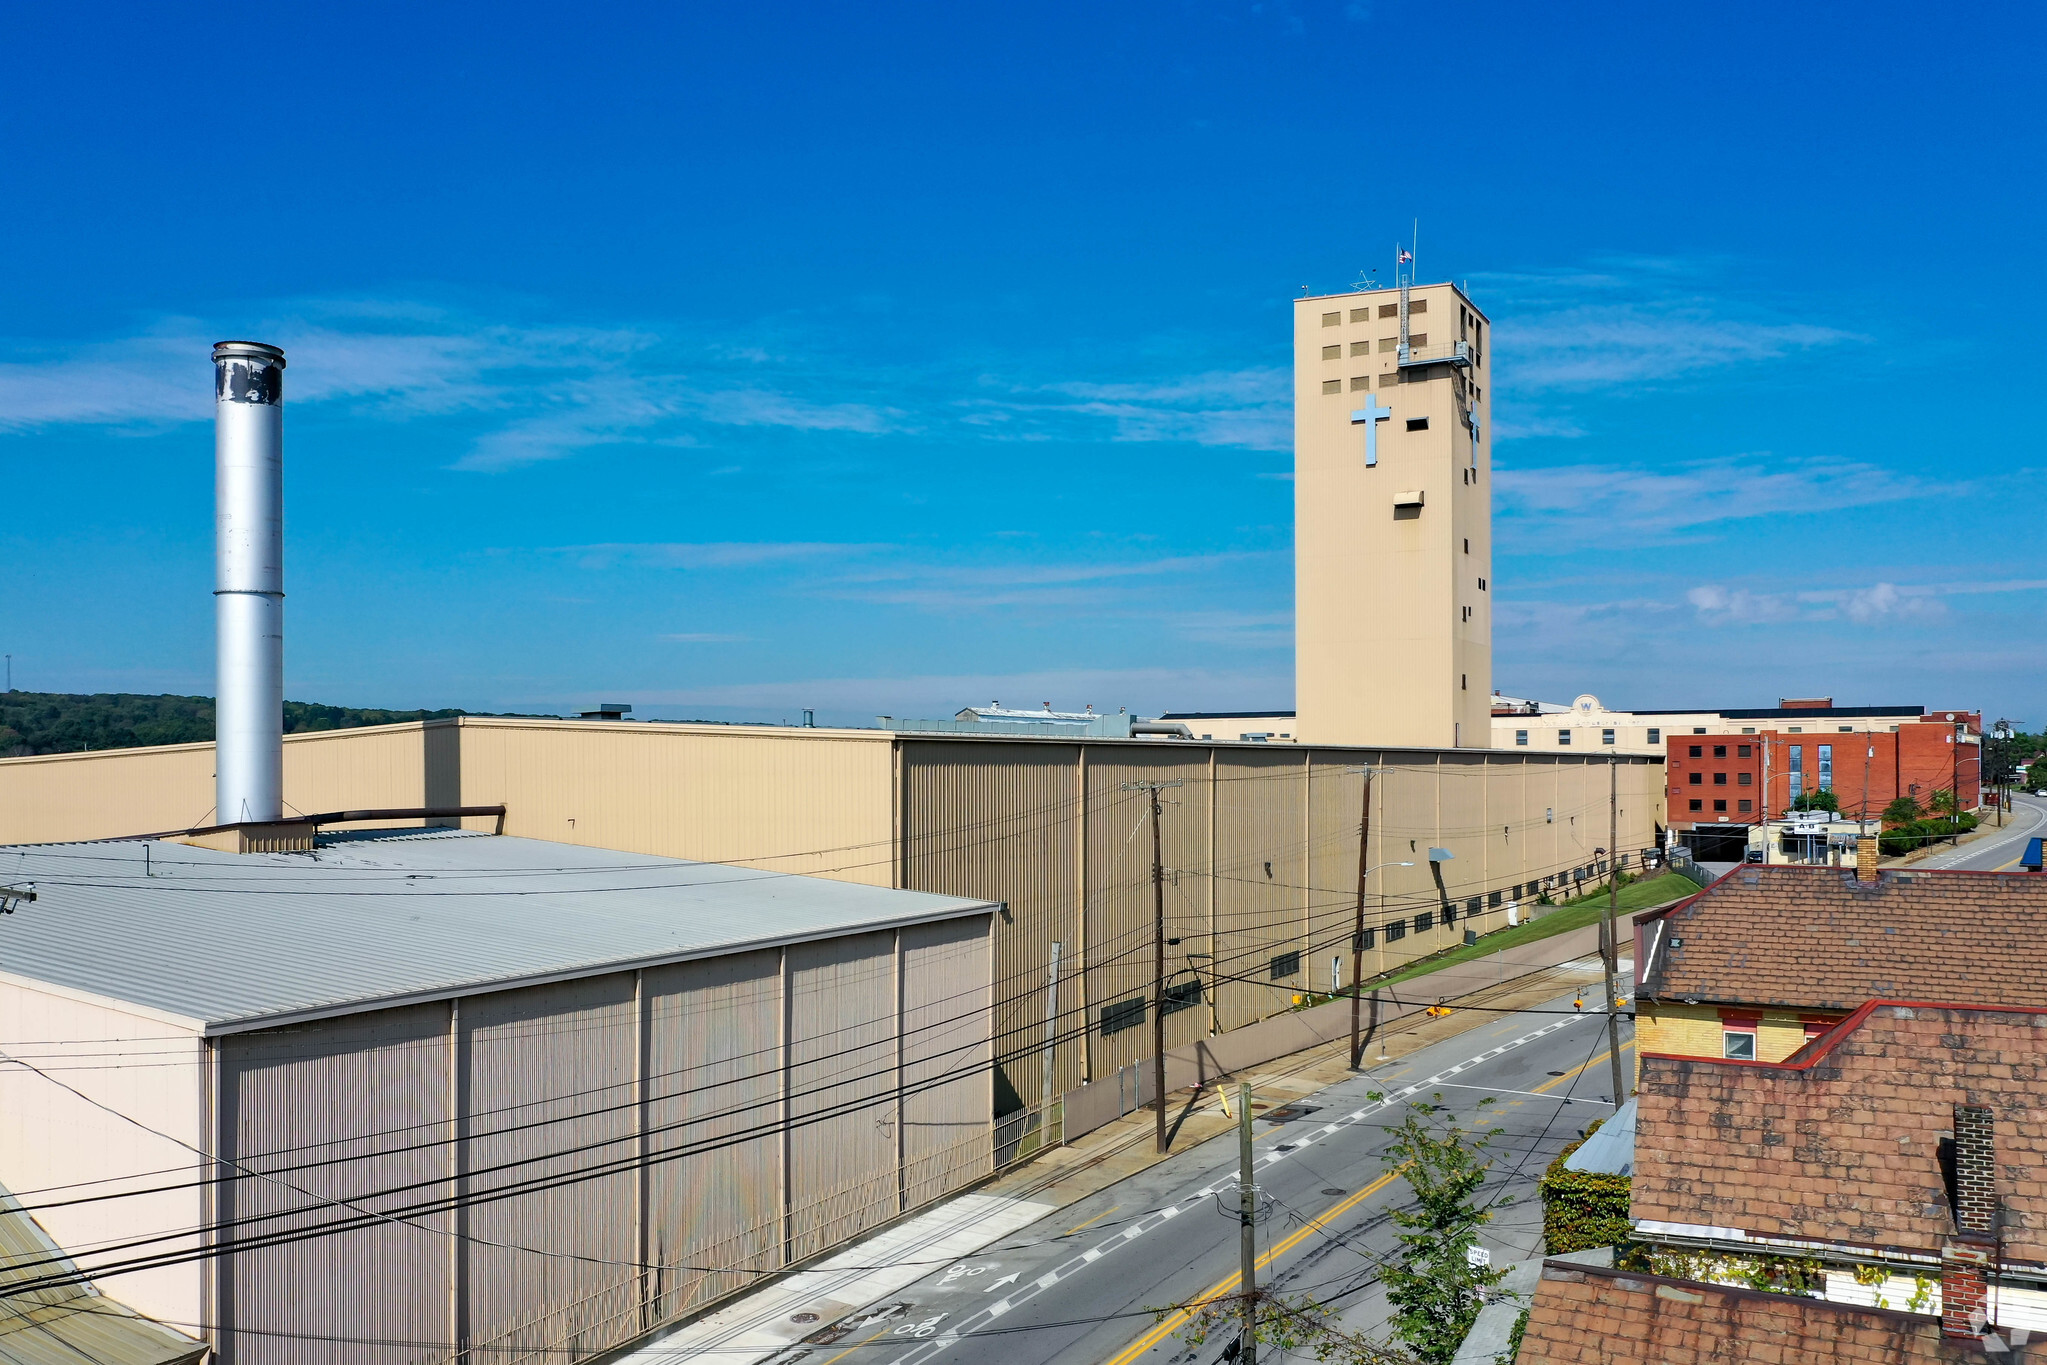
1357	941
1158	960
1609	943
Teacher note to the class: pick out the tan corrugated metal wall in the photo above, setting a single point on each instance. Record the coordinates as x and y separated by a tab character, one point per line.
714	1040
875	1045
1260	843
298	1098
948	1083
576	1040
842	1058
1002	818
816	802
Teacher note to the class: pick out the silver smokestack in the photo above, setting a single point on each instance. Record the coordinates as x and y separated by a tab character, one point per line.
248	590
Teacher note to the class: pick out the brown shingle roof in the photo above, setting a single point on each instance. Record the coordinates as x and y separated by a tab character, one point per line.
1816	938
1841	1142
1588	1316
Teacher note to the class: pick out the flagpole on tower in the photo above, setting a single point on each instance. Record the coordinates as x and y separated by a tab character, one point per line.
1414	246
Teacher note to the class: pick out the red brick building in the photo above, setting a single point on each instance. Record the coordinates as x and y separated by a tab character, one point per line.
1743	778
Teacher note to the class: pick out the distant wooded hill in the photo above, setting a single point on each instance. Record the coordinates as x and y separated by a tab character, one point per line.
67	722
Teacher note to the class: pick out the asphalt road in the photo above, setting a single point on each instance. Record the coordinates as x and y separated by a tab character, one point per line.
2000	849
1080	1286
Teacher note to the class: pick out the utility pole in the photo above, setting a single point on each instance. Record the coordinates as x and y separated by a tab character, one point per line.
1357	942
1158	960
1051	1046
1608	941
1247	1229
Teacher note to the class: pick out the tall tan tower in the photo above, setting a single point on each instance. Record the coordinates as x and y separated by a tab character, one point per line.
1393	519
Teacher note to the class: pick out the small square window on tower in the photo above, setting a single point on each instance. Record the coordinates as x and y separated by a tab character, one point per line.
1360	314
1361	348
1389	310
1389	343
1417	424
1418	306
1418	339
1332	386
1332	352
1361	381
1332	319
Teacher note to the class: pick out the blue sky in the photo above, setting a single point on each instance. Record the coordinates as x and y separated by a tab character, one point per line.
735	360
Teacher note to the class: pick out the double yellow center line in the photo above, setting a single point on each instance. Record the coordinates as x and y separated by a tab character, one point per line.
1222	1288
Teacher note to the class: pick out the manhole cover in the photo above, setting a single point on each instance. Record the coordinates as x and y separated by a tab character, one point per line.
804	1317
1556	1073
1289	1111
1286	1146
1334	1192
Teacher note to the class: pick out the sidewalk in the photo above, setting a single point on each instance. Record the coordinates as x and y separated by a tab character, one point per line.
837	1299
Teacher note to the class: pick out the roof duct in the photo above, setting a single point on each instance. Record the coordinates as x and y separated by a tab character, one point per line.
248	590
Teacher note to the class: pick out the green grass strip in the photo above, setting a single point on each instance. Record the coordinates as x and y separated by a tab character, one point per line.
1642	895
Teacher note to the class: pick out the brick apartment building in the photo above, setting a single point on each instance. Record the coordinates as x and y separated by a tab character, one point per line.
1746	777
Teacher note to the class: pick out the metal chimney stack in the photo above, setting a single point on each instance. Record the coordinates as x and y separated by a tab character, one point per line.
248	592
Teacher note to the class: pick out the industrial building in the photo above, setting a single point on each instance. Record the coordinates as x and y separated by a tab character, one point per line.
1260	842
423	1090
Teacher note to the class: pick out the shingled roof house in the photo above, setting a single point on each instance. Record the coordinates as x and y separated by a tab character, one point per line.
1844	1071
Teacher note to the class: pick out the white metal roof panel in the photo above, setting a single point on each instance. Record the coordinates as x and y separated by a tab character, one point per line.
232	941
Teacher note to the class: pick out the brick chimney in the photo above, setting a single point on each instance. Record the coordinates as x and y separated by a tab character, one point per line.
1866	850
1965	1259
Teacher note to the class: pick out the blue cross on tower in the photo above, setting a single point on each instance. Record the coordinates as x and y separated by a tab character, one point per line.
1369	416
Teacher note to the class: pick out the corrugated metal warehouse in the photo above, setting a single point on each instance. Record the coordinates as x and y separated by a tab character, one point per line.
1260	842
534	1086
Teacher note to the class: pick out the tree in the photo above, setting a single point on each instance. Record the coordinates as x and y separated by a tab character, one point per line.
1820	800
1435	1289
1902	811
1943	802
2036	776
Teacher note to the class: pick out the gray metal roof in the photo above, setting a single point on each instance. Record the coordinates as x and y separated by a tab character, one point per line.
70	1324
226	941
1611	1150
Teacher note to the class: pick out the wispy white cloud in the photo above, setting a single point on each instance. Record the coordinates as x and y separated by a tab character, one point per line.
709	554
1146	691
1597	345
1566	334
1879	603
1559	508
951	587
1247	408
698	638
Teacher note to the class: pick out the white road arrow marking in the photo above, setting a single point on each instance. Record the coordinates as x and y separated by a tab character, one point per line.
1010	1278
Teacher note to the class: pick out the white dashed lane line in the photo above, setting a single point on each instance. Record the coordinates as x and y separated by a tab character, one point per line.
973	1322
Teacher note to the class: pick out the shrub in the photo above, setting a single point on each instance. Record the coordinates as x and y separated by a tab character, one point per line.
1582	1210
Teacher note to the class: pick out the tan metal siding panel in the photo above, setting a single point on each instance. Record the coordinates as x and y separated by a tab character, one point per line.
1261	820
1119	914
342	1091
713	1087
842	1079
59	797
946	1081
548	1069
1002	819
812	802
